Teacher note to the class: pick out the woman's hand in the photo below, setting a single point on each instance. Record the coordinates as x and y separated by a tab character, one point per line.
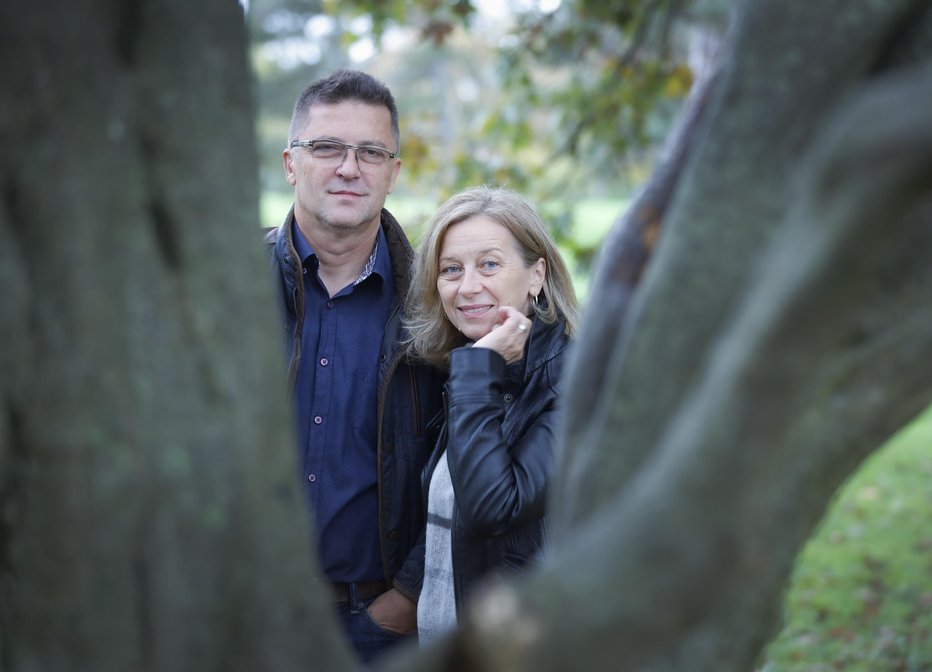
509	336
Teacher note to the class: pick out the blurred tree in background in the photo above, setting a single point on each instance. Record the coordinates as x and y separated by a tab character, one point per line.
563	101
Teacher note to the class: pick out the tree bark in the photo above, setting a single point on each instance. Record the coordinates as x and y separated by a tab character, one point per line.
148	514
787	69
778	337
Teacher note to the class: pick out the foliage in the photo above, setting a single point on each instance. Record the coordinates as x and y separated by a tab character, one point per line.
860	599
595	83
562	104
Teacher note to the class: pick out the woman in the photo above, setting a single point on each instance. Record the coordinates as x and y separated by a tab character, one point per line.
493	303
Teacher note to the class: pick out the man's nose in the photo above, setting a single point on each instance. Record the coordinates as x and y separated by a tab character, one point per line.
349	165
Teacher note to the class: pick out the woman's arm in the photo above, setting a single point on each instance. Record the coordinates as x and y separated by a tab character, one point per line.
497	489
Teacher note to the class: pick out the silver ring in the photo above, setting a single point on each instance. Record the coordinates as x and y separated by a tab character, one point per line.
522	327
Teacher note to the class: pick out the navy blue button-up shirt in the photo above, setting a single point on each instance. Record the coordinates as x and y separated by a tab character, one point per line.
336	396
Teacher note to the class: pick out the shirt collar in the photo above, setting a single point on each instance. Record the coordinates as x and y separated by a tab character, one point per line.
301	246
379	260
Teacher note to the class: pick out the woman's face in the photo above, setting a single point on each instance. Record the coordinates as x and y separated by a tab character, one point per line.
480	270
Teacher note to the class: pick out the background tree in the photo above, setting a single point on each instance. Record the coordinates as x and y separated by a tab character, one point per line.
718	397
561	101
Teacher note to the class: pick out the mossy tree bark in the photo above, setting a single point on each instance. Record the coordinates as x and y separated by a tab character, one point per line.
758	324
148	515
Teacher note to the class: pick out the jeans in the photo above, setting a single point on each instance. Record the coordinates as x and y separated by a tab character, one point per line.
368	639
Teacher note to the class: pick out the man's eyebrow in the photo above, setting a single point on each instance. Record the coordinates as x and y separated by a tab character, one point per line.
364	143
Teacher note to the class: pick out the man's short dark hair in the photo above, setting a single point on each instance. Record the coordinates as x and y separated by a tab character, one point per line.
339	86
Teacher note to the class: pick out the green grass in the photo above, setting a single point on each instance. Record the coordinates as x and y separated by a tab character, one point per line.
592	219
412	213
861	596
273	206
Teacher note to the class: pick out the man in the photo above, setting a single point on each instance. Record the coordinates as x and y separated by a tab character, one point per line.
361	407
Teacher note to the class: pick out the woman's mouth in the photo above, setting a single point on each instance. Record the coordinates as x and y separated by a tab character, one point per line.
474	311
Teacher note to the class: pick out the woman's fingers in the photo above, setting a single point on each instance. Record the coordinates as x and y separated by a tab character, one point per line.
509	336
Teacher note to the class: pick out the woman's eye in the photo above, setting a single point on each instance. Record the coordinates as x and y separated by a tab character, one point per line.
449	270
490	264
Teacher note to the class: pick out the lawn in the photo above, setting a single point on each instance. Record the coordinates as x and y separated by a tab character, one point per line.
591	220
412	213
861	596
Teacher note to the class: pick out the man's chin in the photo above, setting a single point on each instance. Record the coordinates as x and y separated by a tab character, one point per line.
353	221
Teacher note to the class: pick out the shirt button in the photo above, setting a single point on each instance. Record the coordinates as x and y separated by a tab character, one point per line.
318	419
312	477
324	361
329	304
508	398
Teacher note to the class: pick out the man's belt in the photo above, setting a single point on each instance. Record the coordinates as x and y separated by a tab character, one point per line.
365	590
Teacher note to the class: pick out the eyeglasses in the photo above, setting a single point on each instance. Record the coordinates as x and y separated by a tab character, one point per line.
334	152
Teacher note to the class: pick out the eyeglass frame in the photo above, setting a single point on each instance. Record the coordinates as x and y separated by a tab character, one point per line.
309	144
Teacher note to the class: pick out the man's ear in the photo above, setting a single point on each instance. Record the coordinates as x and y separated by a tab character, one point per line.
288	161
396	168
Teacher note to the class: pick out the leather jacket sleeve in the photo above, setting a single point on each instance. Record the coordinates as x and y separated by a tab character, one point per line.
500	480
410	577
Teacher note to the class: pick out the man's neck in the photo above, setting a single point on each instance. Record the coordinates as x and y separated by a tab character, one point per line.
342	258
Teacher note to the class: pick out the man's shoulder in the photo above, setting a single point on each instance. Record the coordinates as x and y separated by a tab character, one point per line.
400	250
393	231
270	233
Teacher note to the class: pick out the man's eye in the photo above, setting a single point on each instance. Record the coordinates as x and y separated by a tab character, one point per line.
372	153
326	149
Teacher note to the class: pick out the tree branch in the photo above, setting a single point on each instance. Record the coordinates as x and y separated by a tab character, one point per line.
697	550
624	257
730	202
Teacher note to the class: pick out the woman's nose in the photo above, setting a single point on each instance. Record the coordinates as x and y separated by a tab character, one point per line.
471	282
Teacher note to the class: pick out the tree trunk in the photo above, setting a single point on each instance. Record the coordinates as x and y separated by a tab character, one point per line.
148	514
779	336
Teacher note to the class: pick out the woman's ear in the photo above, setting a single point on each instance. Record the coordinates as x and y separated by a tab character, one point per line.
538	275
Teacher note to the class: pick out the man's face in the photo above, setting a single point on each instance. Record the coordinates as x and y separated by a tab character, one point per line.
342	196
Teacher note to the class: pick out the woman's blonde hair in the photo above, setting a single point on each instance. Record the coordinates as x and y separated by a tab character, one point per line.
431	336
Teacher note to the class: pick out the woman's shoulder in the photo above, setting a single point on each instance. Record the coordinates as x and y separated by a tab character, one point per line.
552	342
549	354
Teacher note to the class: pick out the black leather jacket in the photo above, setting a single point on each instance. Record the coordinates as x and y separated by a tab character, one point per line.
409	397
500	435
